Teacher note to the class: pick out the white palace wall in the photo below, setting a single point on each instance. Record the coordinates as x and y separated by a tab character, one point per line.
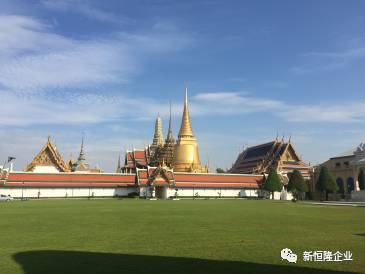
186	192
60	192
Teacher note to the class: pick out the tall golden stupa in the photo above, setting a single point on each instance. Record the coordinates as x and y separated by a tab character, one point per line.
186	155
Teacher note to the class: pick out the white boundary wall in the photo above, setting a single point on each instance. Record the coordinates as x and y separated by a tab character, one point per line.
69	192
206	192
213	192
60	192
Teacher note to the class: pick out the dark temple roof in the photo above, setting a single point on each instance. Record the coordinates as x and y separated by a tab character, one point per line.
259	159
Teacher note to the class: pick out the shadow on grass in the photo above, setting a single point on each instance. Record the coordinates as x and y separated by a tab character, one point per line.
48	261
360	234
56	262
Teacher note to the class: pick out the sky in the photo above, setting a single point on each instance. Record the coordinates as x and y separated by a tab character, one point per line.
253	69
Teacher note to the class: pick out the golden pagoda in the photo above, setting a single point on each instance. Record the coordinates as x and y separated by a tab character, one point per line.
186	155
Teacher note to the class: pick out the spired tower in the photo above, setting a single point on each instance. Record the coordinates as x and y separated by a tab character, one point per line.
81	165
186	155
166	156
158	136
157	142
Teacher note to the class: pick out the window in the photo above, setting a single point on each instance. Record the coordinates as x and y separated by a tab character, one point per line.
346	163
338	164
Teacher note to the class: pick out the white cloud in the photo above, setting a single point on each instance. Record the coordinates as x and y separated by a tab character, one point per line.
344	113
84	8
73	108
327	61
34	58
228	103
87	108
231	103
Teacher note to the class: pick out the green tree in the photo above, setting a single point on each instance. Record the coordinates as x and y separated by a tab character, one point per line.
297	185
220	170
273	182
361	180
326	183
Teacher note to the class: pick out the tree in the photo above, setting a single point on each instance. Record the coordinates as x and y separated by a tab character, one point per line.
220	170
296	184
361	180
326	183
273	182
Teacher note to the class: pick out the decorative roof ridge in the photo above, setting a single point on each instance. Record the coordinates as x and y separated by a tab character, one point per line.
72	173
264	144
54	153
218	174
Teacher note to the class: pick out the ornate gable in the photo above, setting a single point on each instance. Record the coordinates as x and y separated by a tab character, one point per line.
160	176
48	156
289	154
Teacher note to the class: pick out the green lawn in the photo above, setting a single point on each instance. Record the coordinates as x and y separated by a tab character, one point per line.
187	236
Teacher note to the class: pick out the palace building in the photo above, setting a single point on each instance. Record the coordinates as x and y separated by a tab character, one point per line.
277	154
164	169
347	169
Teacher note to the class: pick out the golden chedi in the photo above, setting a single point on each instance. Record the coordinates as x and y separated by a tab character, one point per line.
186	155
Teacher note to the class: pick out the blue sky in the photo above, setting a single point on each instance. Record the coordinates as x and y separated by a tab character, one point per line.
254	69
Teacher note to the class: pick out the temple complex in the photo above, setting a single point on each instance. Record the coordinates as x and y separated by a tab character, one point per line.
163	169
277	154
182	156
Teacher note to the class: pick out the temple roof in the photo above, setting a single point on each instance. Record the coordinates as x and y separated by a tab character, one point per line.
70	180
259	158
151	175
48	156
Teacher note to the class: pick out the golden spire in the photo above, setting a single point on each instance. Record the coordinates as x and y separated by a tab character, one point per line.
186	155
185	129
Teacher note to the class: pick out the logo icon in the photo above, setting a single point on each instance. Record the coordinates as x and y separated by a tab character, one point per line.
287	254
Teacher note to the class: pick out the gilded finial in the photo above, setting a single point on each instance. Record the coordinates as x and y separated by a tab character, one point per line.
186	129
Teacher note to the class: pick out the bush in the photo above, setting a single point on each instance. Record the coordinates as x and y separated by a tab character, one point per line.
133	195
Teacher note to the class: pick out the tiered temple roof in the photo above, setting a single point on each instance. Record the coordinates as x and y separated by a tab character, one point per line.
276	154
135	159
48	157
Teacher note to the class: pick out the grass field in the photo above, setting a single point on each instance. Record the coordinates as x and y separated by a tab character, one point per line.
187	236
